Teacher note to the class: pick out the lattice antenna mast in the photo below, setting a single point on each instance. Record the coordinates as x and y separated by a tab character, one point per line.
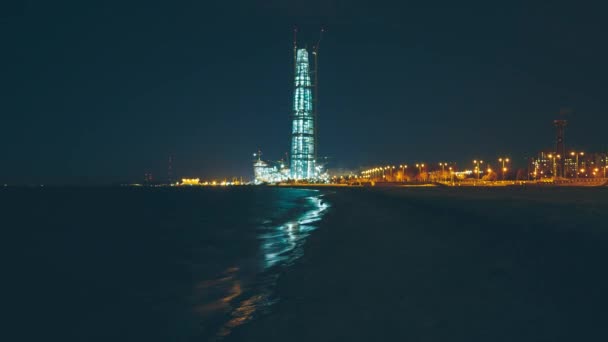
295	48
295	67
315	52
170	170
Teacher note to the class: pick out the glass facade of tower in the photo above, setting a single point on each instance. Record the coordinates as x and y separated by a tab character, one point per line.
303	127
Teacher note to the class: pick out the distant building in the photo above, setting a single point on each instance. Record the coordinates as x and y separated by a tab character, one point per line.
303	147
191	181
542	166
576	165
266	173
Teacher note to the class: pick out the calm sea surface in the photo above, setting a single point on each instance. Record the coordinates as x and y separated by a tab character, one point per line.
198	264
148	264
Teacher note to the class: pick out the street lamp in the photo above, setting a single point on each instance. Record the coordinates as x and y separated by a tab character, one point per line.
403	167
443	165
477	164
503	160
576	167
554	158
452	175
420	166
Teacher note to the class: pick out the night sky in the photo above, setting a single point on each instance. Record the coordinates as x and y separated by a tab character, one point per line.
101	92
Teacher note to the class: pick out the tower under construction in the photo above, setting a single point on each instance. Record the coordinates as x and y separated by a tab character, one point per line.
304	121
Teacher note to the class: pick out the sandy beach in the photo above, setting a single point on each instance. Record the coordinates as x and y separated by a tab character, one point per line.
447	265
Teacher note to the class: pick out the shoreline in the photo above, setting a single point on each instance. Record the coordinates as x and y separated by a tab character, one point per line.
283	240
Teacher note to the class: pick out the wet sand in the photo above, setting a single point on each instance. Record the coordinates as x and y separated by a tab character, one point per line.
448	265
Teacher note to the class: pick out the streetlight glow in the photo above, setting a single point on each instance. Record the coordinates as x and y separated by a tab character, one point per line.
477	167
503	160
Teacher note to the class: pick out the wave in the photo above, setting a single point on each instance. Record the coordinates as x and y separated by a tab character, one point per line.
282	243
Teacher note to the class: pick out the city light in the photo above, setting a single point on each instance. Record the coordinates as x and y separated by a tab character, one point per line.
503	160
576	155
549	167
443	165
477	167
190	181
303	126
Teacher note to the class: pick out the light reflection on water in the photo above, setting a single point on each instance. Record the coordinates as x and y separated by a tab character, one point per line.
283	242
228	284
241	298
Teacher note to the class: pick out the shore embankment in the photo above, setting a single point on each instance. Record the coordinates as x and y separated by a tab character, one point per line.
445	264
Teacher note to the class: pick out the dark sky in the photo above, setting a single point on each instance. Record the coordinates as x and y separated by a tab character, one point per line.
99	92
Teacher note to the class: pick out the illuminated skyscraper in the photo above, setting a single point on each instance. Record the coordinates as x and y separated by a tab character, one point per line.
303	144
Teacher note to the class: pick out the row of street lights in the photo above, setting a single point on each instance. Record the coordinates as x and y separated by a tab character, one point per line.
477	167
503	160
382	170
378	171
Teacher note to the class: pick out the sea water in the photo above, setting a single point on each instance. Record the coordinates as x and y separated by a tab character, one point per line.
149	264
